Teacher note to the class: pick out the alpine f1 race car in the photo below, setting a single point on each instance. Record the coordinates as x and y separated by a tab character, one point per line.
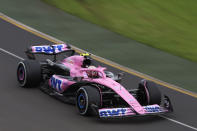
93	89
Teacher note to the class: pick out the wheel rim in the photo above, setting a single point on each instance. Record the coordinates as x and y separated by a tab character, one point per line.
166	103
21	73
81	101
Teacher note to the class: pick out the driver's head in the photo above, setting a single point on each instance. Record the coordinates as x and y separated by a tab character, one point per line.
92	74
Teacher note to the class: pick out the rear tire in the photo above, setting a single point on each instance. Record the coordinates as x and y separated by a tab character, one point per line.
148	93
29	73
86	96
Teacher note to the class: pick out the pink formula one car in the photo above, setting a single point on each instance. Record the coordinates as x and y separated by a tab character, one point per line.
94	90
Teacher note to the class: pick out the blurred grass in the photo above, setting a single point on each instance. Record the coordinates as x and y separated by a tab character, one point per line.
169	25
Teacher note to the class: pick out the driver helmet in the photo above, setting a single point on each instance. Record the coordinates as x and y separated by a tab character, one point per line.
92	74
87	60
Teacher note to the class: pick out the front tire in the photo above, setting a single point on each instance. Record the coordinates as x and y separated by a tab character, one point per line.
148	93
29	73
86	96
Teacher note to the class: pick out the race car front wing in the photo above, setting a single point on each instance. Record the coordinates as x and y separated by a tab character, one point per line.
149	110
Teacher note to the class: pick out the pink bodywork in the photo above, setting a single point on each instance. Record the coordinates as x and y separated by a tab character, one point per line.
75	62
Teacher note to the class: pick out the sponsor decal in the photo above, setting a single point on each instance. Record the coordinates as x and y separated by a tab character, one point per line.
48	49
56	83
152	109
128	111
112	112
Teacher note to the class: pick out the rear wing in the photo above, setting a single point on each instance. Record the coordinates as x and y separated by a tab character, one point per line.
48	50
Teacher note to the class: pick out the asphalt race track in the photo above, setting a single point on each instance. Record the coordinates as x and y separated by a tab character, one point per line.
31	109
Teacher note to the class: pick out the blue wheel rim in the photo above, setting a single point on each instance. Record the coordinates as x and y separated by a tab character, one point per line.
81	101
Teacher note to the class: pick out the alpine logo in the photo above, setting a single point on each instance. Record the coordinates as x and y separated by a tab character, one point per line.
112	112
48	49
56	83
152	109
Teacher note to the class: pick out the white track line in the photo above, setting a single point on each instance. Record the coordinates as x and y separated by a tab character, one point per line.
167	118
178	122
16	56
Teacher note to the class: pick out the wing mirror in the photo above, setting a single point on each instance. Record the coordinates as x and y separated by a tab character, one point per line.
120	75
